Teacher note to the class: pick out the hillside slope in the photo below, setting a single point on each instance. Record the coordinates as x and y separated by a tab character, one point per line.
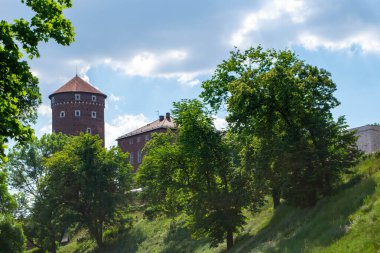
349	221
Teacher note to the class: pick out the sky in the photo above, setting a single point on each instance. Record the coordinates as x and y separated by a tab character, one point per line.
147	54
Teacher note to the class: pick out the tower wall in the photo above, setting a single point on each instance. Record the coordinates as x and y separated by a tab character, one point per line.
71	124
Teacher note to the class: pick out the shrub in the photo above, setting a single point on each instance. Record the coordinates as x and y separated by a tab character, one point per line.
12	238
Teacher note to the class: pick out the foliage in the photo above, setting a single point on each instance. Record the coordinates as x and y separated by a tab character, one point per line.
348	221
194	172
26	166
47	223
280	107
19	93
11	236
90	181
44	221
7	202
161	152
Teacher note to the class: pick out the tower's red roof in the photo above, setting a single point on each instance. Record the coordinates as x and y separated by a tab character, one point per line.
77	84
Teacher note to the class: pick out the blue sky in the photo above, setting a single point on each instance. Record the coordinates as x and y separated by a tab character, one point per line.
146	54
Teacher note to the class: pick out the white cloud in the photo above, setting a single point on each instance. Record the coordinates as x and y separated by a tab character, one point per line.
140	65
81	68
368	41
295	10
46	129
169	64
149	64
220	123
176	55
44	110
36	73
114	98
189	78
122	125
146	63
308	24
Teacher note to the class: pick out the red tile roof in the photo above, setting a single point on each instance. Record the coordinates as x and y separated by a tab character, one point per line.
77	84
165	123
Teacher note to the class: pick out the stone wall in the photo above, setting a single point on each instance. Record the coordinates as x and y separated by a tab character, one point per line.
368	138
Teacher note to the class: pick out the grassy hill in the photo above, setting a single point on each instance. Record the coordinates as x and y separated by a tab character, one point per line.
349	221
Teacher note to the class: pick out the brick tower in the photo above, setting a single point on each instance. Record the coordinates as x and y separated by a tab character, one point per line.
78	107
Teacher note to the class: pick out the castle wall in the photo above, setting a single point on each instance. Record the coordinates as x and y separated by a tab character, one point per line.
368	138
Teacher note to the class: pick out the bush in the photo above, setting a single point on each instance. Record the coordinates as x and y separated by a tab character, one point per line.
12	238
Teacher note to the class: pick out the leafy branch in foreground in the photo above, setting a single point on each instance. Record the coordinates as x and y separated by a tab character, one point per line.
19	92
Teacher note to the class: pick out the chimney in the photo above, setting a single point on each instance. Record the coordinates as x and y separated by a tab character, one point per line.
168	116
161	117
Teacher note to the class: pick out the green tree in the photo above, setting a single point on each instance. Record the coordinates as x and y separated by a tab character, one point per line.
194	172
46	223
26	167
11	235
281	109
162	159
19	93
12	239
7	203
44	220
90	181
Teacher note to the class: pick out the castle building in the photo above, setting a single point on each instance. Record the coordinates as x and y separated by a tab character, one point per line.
368	138
78	107
133	142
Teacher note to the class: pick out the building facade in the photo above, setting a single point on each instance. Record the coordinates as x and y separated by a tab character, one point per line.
368	138
134	142
78	107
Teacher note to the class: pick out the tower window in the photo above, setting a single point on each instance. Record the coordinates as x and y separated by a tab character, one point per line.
88	130
138	139
93	114
139	156
131	158
77	113
77	96
62	114
147	137
52	100
131	141
93	98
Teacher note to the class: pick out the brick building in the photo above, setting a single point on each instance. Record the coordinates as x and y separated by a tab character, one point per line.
78	107
133	142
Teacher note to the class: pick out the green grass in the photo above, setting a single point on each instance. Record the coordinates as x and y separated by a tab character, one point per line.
349	221
79	243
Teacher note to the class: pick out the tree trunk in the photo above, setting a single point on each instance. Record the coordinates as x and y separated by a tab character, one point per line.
230	240
276	198
53	247
99	240
97	233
